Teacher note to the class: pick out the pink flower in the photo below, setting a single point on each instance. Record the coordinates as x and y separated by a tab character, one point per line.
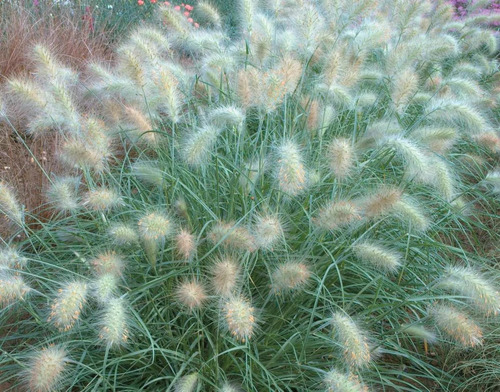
186	14
153	1
190	20
166	3
140	2
196	25
177	8
189	7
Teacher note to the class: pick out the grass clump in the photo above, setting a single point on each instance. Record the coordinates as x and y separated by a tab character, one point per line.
223	195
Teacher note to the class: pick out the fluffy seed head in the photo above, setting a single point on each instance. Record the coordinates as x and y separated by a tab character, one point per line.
378	256
407	211
231	236
12	288
225	276
290	171
420	332
46	369
114	330
63	193
185	244
230	388
444	180
10	258
337	215
405	85
438	139
267	231
457	325
81	154
9	204
352	339
155	226
148	172
191	294
227	116
461	115
187	383
490	140
67	305
380	202
102	199
337	381
416	162
206	13
123	234
493	179
289	276
199	145
239	317
340	157
108	263
29	93
469	283
167	85
104	287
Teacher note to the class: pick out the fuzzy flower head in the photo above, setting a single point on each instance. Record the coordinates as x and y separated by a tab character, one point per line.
352	339
239	316
380	202
198	147
419	332
155	226
290	170
231	236
187	383
63	193
340	157
457	325
289	276
102	199
227	116
147	172
114	329
185	244
337	381
82	154
492	179
337	215
267	231
227	387
108	263
9	204
379	256
67	305
191	294
104	287
409	213
471	284
46	369
12	288
225	273
123	234
10	258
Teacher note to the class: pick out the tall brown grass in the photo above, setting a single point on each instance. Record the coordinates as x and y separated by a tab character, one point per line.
67	34
70	38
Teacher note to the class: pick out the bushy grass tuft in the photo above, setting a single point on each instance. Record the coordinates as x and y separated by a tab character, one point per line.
304	204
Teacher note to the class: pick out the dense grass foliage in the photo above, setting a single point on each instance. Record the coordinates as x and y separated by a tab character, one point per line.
303	207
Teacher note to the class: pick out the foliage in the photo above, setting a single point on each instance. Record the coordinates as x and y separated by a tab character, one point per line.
294	209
